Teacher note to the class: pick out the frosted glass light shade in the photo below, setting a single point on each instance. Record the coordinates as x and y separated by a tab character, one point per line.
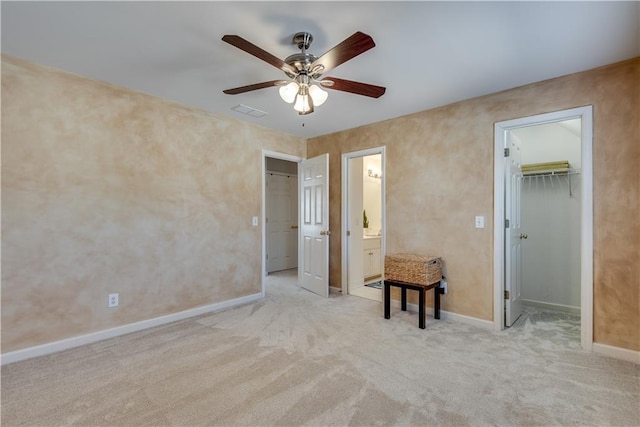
318	95
288	92
302	104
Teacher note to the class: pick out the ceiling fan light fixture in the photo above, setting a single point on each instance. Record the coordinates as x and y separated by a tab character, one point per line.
288	92
304	103
318	95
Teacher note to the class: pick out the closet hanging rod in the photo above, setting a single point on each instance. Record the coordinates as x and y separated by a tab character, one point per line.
540	174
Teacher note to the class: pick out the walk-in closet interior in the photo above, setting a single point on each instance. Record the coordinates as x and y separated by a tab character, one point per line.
551	215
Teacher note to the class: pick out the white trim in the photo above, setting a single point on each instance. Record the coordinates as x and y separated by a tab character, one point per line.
263	209
447	315
617	352
586	232
334	290
382	150
586	240
551	306
65	344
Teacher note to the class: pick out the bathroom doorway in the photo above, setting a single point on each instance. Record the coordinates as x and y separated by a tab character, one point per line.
363	219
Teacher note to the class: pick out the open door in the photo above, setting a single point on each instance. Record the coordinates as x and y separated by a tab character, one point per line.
513	234
314	225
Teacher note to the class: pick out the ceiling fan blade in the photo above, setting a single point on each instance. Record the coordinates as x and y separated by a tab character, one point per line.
254	50
358	88
256	86
349	48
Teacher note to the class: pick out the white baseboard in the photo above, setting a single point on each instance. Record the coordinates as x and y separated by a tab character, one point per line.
334	290
617	352
65	344
552	306
446	315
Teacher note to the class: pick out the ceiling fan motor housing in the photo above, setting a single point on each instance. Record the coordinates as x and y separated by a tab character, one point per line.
302	61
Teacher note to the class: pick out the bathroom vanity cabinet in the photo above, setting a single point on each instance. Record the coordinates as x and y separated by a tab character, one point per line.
372	259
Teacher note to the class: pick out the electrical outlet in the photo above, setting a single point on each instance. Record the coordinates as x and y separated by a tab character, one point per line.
113	300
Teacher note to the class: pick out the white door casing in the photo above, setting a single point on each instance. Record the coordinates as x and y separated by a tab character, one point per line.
513	234
314	225
282	221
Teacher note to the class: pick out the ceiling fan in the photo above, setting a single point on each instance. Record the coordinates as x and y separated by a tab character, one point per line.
304	70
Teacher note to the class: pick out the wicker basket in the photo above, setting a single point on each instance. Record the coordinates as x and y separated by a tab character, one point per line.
412	268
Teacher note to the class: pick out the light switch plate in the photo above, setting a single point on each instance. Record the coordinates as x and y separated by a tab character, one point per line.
479	221
254	221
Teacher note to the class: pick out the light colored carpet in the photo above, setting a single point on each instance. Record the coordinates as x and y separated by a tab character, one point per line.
299	359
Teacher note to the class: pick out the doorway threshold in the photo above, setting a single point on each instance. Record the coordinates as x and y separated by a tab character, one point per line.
366	292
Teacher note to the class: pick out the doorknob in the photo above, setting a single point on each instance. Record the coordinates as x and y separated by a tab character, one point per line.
523	235
293	227
325	233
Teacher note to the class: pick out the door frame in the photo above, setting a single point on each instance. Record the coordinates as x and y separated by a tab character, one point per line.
263	209
345	208
586	227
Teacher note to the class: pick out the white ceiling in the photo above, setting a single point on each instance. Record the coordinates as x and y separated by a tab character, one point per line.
427	54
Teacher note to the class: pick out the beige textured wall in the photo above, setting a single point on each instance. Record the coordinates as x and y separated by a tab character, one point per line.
440	175
108	190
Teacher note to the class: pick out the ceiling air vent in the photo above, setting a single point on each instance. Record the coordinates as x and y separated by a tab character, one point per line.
249	111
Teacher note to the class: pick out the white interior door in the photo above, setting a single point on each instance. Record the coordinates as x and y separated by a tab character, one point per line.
282	221
513	233
314	225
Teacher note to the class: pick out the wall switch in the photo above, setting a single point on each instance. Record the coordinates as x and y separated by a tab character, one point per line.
480	221
254	221
113	300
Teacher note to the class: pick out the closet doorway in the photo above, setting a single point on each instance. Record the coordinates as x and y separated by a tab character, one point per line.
544	190
281	221
363	219
550	201
279	208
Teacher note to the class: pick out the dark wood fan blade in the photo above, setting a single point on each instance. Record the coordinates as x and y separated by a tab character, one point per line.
254	50
358	88
256	86
350	48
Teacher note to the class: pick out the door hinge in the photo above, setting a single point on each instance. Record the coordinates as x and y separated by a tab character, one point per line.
506	295
507	152
506	223
348	233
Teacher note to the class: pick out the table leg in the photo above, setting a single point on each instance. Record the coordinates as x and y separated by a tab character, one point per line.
436	301
421	308
387	301
404	299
